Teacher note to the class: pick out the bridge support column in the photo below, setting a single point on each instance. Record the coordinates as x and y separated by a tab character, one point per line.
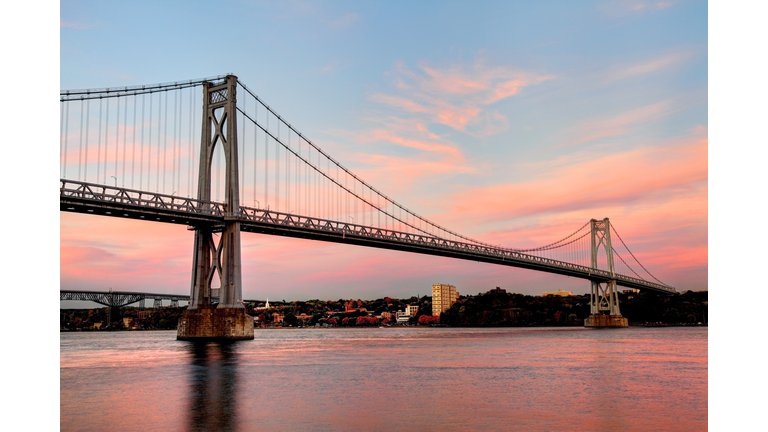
604	299
228	320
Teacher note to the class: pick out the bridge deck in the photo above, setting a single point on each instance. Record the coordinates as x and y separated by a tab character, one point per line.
104	200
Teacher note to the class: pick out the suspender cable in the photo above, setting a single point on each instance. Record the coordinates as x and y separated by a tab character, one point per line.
143	129
255	153
125	137
175	144
98	140
165	140
190	163
62	141
159	122
106	143
241	155
80	147
85	150
181	150
133	144
287	175
266	164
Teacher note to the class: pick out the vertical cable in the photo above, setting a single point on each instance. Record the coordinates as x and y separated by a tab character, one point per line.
117	136
194	140
255	148
165	140
277	169
241	145
190	165
66	137
288	174
133	144
98	139
149	144
159	122
143	128
106	143
180	115
174	158
266	163
62	139
125	137
87	129
80	147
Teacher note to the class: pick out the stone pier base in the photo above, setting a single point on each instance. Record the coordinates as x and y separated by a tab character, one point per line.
215	324
606	321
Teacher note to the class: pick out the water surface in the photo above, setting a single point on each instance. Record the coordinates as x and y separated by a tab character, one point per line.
443	379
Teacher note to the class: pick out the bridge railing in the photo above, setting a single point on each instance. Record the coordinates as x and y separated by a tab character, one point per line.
139	198
345	228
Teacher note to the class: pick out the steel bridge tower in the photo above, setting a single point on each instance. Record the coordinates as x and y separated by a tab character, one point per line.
228	319
603	298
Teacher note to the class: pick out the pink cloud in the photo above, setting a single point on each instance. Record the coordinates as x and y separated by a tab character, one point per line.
457	96
623	177
620	124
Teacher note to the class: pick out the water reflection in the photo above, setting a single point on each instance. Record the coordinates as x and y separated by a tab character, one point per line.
213	386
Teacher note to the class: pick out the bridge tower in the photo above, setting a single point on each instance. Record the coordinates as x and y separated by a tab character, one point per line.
228	319
604	298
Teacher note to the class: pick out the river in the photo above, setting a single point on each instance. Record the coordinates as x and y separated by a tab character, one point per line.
388	379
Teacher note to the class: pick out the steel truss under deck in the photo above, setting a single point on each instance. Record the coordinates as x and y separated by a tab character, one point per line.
91	198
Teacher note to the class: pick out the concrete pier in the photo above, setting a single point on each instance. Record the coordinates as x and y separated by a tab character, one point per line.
610	321
215	323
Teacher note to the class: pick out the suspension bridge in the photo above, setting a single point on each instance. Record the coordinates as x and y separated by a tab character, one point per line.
131	152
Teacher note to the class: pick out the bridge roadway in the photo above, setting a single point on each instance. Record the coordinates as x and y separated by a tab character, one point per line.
90	198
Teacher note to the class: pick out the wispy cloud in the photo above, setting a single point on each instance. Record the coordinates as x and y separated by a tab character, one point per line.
620	124
459	96
622	178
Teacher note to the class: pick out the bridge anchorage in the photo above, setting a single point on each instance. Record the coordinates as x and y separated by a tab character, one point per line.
228	319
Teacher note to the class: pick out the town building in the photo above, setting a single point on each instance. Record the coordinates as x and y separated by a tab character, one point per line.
403	318
443	296
411	310
265	307
129	323
560	293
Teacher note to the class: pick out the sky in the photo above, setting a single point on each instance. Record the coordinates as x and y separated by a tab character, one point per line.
510	122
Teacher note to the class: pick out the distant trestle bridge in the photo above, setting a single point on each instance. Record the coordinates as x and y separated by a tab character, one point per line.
120	299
